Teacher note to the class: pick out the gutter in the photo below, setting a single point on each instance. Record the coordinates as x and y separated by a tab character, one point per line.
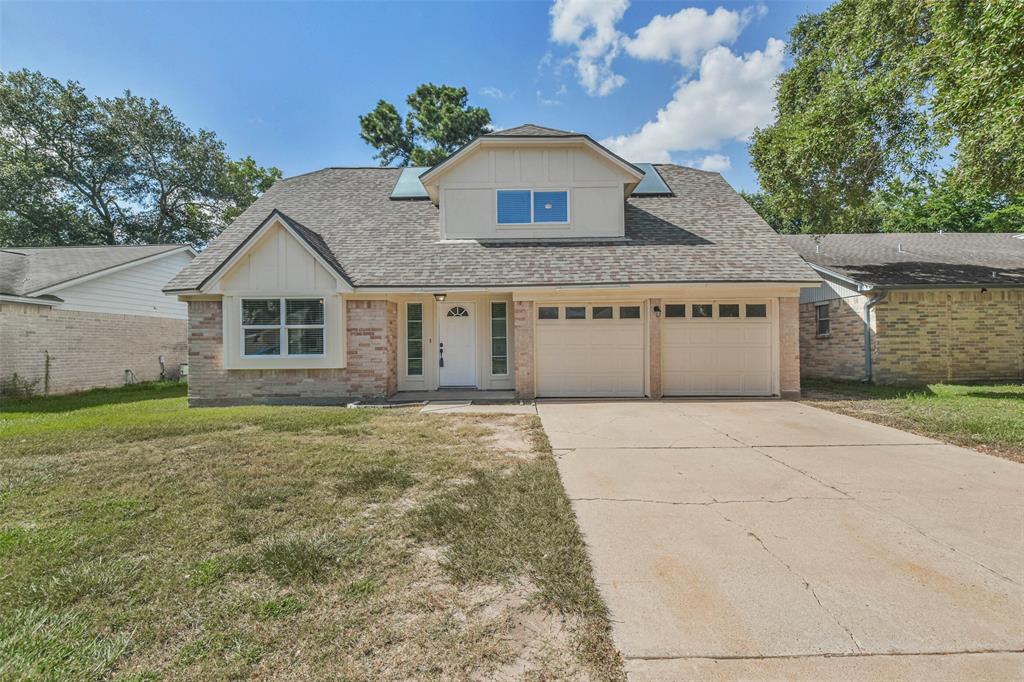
872	302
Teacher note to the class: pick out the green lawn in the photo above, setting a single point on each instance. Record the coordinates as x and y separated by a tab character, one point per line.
985	417
142	540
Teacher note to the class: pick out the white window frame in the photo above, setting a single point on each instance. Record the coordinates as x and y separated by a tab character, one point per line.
491	355
533	222
282	327
818	320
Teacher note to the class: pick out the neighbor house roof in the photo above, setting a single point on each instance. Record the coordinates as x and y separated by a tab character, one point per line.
27	271
705	232
917	259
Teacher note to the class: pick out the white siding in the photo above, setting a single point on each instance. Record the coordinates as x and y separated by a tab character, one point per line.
468	193
830	289
132	291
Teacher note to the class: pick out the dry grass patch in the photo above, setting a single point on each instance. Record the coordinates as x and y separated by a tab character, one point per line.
143	540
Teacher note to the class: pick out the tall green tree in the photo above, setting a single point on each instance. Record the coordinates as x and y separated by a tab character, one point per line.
438	123
81	170
878	92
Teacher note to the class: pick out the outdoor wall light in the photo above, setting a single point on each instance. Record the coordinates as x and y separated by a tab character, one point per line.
440	297
657	311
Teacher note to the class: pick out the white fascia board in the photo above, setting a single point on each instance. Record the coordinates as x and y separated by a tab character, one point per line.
10	298
112	270
860	286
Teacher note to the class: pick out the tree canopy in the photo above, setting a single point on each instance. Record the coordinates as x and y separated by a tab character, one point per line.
438	123
82	170
881	95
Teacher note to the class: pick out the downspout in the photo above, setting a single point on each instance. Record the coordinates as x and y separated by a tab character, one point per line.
872	302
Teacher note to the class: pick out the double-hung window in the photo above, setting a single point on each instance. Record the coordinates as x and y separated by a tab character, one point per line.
532	207
822	321
282	327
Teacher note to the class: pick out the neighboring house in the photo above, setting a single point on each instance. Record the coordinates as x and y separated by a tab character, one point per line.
532	260
931	307
79	317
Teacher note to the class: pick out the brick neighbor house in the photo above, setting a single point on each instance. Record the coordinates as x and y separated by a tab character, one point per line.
533	261
913	308
73	318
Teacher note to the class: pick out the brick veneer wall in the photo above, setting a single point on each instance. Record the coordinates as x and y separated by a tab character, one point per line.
371	372
789	347
523	342
950	335
86	350
841	354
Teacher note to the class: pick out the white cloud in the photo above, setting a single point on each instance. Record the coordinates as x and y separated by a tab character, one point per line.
730	96
687	34
714	162
494	93
548	101
589	26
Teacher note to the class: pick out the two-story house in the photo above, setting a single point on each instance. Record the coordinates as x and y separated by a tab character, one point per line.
532	260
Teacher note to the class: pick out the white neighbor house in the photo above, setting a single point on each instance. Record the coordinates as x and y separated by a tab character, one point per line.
80	317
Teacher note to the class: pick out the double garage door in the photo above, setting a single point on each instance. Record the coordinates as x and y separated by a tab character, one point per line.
714	349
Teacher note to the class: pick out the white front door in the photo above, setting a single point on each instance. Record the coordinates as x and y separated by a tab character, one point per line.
457	344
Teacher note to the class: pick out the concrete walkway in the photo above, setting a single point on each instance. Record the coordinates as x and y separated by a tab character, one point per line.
769	539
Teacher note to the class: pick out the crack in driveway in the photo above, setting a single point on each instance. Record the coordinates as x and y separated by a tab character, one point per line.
712	502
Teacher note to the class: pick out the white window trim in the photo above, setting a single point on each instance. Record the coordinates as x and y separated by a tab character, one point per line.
490	355
423	342
818	320
282	327
533	221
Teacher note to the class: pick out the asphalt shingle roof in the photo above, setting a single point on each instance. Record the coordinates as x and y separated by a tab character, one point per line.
909	259
706	232
532	130
25	270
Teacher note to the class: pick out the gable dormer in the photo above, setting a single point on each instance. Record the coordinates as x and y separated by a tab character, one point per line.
531	183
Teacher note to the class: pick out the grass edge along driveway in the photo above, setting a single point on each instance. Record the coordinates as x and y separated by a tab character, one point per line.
988	418
142	540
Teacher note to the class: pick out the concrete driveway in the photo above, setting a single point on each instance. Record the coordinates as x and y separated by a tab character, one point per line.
769	539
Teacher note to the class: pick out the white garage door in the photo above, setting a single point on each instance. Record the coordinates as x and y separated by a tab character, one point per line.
717	349
589	350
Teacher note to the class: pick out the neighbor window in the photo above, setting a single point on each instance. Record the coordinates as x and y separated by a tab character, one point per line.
527	207
757	310
823	325
499	338
701	309
414	339
547	313
729	310
675	310
282	327
629	312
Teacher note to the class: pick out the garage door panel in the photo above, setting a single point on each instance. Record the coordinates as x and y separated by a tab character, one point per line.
580	358
717	357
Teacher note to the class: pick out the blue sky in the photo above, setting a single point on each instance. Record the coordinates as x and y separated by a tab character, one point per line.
286	81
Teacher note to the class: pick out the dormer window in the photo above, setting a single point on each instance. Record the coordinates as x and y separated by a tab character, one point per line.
528	207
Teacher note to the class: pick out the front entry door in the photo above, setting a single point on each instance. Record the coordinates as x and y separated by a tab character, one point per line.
457	344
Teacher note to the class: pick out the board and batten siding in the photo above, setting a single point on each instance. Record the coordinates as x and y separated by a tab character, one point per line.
133	291
469	193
